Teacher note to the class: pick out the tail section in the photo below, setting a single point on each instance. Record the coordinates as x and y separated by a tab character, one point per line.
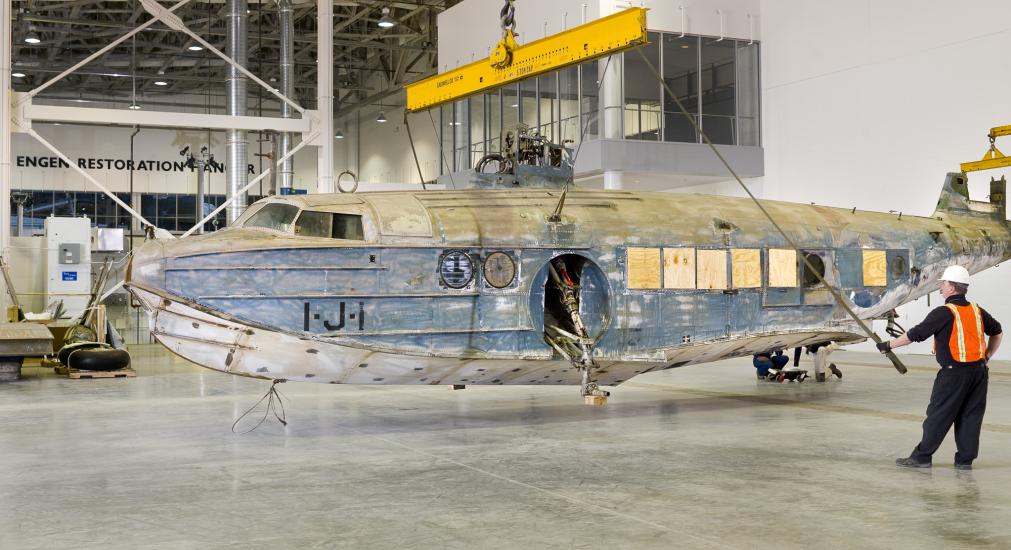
955	199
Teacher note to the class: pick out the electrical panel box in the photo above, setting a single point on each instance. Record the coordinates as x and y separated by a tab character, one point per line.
68	262
70	253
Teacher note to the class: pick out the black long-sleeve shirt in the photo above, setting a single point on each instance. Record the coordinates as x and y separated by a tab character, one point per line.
939	324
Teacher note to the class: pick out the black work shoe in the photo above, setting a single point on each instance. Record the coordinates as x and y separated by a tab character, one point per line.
963	466
910	463
835	370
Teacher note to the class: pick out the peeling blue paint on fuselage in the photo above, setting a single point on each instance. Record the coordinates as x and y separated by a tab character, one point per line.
384	294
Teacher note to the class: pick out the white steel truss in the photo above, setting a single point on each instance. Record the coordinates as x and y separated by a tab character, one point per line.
17	113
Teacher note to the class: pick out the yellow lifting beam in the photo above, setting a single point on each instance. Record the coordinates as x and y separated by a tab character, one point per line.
993	158
511	63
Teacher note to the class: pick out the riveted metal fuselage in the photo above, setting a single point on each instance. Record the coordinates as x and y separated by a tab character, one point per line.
273	304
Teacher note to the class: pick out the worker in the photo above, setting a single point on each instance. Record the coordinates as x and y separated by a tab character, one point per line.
959	394
769	360
821	351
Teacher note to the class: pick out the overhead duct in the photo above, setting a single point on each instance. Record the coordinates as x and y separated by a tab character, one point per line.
236	147
287	23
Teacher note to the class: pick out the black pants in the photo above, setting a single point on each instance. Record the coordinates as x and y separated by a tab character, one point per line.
959	398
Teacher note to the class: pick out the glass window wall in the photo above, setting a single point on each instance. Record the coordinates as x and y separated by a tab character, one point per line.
589	99
102	210
748	94
547	87
716	80
568	103
681	74
494	122
529	113
643	92
478	139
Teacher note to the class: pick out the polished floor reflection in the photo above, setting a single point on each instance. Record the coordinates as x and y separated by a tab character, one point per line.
698	457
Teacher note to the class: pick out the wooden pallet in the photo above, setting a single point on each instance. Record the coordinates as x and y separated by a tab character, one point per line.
75	374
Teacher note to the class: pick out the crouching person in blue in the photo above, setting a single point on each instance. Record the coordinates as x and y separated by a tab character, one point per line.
769	360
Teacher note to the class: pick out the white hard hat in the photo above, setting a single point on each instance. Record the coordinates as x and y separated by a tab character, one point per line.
955	274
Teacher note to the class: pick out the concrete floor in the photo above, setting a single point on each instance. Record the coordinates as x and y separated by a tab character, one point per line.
698	457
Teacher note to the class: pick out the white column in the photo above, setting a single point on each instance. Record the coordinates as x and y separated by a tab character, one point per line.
5	134
324	86
611	107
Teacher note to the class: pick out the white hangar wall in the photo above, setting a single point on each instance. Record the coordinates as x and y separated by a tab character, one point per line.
469	30
105	150
869	104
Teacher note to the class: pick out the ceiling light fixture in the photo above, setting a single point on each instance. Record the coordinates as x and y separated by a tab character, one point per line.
32	37
339	135
381	118
160	83
134	107
195	48
17	74
386	22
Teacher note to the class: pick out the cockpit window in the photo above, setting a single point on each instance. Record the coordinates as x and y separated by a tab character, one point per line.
273	216
330	224
348	226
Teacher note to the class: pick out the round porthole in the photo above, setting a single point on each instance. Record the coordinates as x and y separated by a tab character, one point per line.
456	269
499	269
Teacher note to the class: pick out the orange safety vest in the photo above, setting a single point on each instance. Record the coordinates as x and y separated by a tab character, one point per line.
968	342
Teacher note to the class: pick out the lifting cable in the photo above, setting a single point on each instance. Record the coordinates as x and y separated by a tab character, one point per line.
556	216
414	152
807	263
442	150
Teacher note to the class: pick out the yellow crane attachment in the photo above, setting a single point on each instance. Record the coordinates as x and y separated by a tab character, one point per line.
510	63
993	158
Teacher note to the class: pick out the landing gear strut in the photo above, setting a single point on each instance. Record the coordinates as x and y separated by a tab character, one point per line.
575	344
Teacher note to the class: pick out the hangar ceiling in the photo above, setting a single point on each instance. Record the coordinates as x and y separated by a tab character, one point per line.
370	62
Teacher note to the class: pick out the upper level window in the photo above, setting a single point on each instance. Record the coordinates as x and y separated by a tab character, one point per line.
330	224
273	216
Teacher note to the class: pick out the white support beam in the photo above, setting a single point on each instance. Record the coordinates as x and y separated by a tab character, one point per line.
324	87
88	177
160	119
5	131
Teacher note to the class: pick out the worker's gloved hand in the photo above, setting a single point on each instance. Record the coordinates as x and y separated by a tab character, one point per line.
883	347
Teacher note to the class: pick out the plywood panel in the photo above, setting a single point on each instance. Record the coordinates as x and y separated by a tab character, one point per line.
782	268
643	268
679	268
875	268
712	269
746	268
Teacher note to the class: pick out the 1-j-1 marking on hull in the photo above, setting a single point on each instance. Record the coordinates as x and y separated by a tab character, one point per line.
310	315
